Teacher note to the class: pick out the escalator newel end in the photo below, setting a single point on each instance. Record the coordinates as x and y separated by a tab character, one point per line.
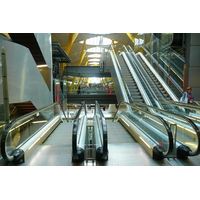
99	155
157	153
80	155
183	151
18	156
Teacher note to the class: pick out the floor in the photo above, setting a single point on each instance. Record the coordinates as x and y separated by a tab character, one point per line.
123	149
56	150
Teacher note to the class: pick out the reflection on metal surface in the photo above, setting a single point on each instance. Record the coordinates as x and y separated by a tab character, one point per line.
144	141
37	122
25	68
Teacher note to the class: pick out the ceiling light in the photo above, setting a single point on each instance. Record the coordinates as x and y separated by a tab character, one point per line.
41	65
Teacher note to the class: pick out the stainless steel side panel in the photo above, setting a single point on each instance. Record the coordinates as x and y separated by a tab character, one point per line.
25	82
44	42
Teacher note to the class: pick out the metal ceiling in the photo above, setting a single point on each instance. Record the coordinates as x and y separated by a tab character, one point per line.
77	52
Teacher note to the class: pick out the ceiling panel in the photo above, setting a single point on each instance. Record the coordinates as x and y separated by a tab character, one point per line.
76	49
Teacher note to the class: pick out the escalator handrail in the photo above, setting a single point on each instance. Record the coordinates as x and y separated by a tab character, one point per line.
75	131
168	129
118	73
180	104
80	109
193	125
104	128
12	123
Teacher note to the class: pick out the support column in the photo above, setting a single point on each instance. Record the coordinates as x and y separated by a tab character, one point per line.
193	63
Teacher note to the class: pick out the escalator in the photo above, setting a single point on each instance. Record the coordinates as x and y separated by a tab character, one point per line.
150	130
47	137
187	131
184	127
153	84
89	140
130	82
23	135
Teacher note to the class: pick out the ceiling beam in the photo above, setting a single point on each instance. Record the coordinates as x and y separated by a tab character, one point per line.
72	38
7	35
83	52
114	47
86	63
130	37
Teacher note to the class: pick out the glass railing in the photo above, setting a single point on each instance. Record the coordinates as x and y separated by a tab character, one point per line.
19	131
190	111
94	91
153	126
169	64
197	102
188	133
100	127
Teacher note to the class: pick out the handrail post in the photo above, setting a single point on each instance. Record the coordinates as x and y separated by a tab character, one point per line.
184	78
173	128
5	88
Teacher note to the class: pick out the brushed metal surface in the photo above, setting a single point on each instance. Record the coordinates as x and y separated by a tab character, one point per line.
25	82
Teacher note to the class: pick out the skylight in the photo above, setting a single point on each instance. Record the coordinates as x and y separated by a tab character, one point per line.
100	33
97	50
95	55
99	40
94	63
139	41
94	60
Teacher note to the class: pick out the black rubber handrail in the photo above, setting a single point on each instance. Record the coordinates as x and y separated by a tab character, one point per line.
105	135
77	153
